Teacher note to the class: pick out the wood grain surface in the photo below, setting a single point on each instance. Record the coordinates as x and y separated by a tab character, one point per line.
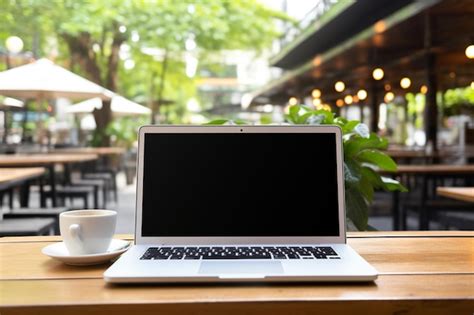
459	193
90	150
19	174
420	272
434	169
7	160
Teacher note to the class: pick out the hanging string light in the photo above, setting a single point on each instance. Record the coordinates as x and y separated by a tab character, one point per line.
293	101
405	82
348	99
470	51
339	86
362	94
378	74
316	93
389	96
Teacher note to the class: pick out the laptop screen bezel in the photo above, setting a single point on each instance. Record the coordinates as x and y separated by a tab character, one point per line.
240	129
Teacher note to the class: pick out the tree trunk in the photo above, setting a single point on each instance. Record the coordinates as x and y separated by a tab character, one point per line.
81	50
161	89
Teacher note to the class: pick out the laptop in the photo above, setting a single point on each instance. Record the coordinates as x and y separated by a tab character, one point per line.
238	204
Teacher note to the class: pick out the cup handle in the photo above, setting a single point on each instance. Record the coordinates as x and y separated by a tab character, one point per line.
74	231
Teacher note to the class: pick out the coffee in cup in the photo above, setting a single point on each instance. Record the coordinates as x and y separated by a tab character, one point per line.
86	232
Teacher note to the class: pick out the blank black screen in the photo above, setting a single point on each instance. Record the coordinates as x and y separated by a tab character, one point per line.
248	184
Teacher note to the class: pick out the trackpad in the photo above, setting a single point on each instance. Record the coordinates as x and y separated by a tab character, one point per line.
241	267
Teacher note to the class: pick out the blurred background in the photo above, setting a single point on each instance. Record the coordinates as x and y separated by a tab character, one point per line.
79	75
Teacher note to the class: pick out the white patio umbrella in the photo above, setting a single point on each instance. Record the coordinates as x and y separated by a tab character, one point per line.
119	106
10	102
43	79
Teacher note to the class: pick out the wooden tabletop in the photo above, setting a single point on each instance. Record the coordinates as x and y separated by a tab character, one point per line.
7	160
459	193
16	174
434	169
420	152
420	272
91	150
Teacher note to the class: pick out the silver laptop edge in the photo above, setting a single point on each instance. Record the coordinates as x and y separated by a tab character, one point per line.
116	273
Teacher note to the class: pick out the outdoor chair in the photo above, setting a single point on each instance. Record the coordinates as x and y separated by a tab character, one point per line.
109	181
52	213
74	192
98	184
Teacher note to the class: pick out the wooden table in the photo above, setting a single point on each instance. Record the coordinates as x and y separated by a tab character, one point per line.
420	273
458	193
45	160
425	172
420	153
13	177
105	154
91	150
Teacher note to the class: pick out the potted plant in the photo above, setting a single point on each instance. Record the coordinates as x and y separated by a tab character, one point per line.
363	158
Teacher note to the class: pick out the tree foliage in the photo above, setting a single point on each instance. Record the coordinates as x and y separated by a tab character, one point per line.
94	36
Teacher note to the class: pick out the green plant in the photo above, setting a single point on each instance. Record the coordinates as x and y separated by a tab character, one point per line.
123	131
363	159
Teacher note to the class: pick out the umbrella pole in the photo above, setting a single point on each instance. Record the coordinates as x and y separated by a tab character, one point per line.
5	126
40	120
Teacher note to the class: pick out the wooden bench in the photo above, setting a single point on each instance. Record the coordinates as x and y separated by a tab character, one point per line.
26	226
52	213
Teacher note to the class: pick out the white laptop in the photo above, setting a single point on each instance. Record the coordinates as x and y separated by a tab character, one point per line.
240	203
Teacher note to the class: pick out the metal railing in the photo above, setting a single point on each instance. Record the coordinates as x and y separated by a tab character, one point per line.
291	31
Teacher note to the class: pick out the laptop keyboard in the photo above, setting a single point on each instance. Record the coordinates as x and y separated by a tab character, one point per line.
254	252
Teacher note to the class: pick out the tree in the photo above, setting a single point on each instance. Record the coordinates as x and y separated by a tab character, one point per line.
91	36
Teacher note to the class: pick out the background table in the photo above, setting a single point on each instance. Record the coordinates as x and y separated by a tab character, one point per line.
14	177
90	150
425	172
45	160
420	272
459	193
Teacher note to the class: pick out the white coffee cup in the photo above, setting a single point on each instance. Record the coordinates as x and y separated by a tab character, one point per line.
87	232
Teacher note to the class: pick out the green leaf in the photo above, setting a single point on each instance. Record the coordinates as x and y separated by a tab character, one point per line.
217	122
374	178
303	118
377	158
349	126
355	143
362	130
351	172
294	113
357	208
226	122
366	188
328	116
392	184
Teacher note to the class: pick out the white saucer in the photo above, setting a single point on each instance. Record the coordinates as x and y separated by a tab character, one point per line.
59	251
